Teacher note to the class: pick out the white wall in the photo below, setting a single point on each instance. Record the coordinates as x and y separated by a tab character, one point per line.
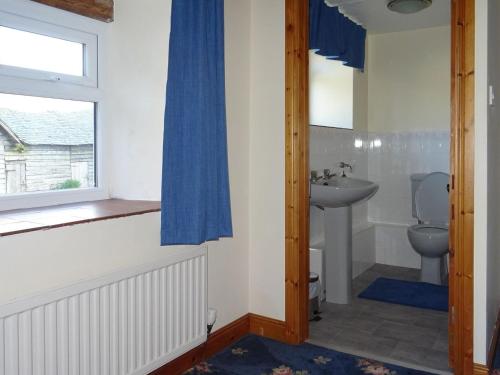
135	81
487	178
42	260
493	281
481	183
135	78
228	267
137	63
415	63
267	158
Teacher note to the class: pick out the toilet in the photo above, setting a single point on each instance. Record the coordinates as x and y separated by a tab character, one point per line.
429	237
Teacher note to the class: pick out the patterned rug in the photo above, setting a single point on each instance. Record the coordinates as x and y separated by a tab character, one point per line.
254	355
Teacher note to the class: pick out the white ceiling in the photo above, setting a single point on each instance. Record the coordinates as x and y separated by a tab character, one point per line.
377	19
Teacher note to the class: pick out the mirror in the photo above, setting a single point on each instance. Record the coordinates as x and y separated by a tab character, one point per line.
330	93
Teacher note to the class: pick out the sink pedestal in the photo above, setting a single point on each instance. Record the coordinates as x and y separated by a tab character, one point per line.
338	254
337	195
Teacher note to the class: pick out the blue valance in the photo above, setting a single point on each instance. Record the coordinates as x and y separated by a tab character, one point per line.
333	35
195	203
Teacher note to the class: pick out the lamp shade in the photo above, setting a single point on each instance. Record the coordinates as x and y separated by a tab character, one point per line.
408	6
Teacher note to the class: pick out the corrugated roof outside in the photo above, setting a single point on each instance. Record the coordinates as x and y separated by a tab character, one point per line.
51	127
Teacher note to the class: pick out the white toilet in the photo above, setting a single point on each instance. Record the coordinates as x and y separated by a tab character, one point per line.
429	238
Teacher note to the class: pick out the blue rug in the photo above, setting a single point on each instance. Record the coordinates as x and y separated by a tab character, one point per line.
409	293
254	355
496	360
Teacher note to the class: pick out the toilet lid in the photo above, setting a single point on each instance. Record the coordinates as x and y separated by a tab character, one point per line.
431	198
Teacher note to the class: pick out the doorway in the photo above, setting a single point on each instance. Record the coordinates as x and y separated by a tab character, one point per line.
461	180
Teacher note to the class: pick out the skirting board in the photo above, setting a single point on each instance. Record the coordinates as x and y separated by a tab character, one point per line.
217	341
222	338
480	369
267	327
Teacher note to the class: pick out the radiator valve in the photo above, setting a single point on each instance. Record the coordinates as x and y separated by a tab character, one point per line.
211	318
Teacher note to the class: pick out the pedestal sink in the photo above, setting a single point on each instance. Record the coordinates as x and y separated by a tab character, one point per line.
337	195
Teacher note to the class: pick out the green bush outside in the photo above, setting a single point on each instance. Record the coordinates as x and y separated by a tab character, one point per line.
69	184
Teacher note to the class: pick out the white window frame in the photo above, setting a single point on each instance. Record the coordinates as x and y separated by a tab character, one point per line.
30	82
88	40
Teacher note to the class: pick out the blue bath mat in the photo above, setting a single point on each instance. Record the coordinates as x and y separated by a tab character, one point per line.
254	355
409	293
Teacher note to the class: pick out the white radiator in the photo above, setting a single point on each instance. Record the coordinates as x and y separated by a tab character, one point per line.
130	322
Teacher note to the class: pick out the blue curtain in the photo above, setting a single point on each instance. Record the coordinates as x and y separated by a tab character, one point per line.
334	36
195	203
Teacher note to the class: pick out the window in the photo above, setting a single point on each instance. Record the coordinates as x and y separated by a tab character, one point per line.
41	50
48	144
50	103
330	93
28	50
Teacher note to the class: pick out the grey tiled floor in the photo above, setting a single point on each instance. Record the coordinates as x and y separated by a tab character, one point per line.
384	330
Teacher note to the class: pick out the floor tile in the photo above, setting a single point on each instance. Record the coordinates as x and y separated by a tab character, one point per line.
403	333
418	336
441	343
438	322
414	354
356	340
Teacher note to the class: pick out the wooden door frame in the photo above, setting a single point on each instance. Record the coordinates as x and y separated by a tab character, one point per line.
461	187
296	170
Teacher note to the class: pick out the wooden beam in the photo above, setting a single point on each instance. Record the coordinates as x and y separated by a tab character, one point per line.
101	10
462	187
296	170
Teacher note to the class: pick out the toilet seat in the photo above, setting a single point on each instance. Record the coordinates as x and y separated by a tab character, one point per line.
431	199
429	230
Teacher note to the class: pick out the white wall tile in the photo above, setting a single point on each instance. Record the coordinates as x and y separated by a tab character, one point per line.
387	159
363	250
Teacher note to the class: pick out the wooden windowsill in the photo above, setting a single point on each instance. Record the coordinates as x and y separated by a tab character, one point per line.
28	220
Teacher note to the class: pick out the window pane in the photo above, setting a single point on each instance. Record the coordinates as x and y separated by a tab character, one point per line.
34	51
45	144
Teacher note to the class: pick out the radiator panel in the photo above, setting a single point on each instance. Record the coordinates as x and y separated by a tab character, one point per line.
128	323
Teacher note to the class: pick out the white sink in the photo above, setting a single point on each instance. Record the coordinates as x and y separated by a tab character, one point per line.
341	191
337	195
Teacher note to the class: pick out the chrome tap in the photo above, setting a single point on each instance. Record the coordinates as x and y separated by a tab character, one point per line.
345	165
314	176
327	174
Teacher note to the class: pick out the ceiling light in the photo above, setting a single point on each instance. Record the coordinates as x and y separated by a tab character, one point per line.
408	6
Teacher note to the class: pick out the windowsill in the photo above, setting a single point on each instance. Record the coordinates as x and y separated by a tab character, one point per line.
42	218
